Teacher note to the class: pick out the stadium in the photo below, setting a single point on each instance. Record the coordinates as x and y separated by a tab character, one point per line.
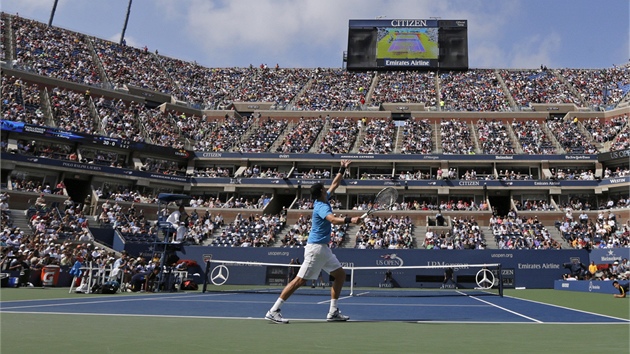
101	142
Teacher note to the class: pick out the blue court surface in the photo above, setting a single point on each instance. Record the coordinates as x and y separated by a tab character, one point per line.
451	309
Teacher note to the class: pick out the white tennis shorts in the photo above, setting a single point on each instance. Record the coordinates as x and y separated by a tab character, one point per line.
317	257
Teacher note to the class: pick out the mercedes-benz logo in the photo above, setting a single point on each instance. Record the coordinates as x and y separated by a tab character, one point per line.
485	279
219	275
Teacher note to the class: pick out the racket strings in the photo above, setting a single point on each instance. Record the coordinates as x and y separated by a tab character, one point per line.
386	199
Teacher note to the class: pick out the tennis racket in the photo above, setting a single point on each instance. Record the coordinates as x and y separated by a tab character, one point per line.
384	200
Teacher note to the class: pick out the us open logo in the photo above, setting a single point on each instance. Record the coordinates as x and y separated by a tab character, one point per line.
390	260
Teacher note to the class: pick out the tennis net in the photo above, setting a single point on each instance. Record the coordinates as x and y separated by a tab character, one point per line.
402	281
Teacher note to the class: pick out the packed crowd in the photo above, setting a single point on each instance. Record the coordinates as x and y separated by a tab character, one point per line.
56	236
21	101
212	172
168	167
417	137
465	233
622	140
335	90
193	127
582	203
393	232
602	132
159	130
202	87
618	172
533	139
472	90
571	174
378	137
570	137
135	227
119	119
493	137
124	193
537	86
297	235
599	87
302	135
253	231
456	138
54	52
223	138
420	174
71	111
514	232
126	65
47	149
2	37
204	201
533	205
247	202
307	204
264	134
102	157
603	232
405	87
258	172
341	136
265	84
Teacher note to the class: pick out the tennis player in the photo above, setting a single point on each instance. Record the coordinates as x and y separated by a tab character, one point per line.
317	254
623	289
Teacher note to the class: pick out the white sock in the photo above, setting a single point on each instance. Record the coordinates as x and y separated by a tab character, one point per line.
277	305
333	305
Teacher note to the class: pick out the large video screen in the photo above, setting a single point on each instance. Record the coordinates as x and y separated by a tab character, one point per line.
407	44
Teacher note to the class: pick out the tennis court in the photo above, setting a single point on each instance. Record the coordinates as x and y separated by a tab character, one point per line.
407	43
232	322
444	309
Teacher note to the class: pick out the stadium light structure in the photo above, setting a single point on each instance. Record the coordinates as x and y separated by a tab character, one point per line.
52	13
122	34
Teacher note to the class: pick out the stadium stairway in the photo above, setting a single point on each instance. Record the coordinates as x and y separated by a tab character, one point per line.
555	234
320	137
504	87
19	219
419	234
280	138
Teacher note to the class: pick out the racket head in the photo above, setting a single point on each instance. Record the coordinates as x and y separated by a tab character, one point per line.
383	200
386	197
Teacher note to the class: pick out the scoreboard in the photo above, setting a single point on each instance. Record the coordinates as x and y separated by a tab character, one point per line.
407	44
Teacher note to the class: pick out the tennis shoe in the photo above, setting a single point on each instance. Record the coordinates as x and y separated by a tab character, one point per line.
336	317
276	317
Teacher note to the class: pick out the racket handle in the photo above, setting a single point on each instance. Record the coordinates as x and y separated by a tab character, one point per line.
365	215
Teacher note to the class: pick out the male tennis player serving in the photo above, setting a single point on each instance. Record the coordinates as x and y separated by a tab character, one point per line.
317	254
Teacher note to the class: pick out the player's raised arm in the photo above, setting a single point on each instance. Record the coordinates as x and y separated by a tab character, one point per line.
339	176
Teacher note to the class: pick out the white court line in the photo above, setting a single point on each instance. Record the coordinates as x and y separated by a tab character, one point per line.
504	309
142	315
525	323
571	309
341	298
303	319
97	300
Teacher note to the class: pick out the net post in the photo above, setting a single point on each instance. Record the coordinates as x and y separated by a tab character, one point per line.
500	281
205	278
351	281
